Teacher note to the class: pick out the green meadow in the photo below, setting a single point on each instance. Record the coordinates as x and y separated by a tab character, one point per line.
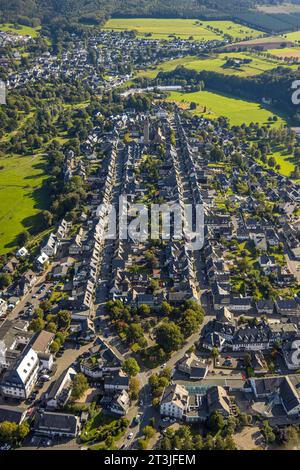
21	196
20	29
217	63
212	105
183	28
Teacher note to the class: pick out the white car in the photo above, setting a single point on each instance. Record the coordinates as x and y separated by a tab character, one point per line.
130	436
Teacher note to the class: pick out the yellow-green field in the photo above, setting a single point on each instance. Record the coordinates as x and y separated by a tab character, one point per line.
213	105
20	29
21	196
217	63
294	36
288	52
182	28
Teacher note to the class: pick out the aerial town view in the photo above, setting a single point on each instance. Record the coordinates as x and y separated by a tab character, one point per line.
149	227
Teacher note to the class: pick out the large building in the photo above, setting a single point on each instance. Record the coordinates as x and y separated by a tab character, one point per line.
19	380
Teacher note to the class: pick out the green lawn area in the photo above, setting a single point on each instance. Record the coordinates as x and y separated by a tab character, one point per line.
236	110
217	63
285	161
20	29
21	197
183	28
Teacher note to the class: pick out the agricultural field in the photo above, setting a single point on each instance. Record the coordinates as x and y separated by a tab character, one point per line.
294	36
21	196
212	105
217	63
287	52
184	29
20	29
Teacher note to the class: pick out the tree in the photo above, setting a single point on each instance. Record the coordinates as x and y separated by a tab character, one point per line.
64	319
131	367
37	324
169	336
8	431
216	421
5	280
214	352
134	388
79	386
55	347
148	432
22	431
23	238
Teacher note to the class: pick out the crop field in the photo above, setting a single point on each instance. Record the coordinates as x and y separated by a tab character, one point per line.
20	29
217	63
21	196
213	105
182	28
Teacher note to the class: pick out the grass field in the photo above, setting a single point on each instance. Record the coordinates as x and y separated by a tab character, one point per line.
286	52
294	36
217	63
284	159
20	29
183	28
21	197
213	105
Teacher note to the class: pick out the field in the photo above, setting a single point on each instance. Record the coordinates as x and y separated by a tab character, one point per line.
286	52
295	36
284	8
21	197
217	63
213	105
184	29
20	29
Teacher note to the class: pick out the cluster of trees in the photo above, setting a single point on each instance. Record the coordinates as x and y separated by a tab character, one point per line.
13	433
148	433
79	386
158	382
44	318
183	439
180	324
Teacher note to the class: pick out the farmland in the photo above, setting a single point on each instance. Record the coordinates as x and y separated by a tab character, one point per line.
294	36
218	63
213	105
21	196
184	29
288	52
20	29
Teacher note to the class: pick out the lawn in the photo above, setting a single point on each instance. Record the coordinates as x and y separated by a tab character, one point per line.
213	105
217	63
20	29
184	28
285	161
21	197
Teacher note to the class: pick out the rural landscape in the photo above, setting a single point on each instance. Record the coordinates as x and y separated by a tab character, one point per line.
150	228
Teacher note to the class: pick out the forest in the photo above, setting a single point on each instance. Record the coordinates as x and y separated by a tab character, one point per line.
96	12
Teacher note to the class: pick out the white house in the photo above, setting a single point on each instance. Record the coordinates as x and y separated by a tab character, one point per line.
174	401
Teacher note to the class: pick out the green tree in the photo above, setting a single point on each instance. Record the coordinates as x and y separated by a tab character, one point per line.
169	336
79	386
131	367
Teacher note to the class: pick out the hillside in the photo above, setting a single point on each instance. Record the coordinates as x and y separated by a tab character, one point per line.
100	9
